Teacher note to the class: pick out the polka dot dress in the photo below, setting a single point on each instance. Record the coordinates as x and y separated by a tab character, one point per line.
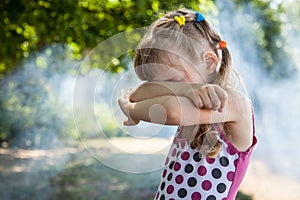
190	176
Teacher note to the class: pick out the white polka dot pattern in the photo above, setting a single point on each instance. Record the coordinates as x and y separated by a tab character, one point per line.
187	175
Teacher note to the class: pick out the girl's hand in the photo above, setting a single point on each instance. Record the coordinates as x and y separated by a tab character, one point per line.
209	96
125	104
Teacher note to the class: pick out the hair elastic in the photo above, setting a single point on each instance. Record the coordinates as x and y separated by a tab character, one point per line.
222	44
180	20
199	17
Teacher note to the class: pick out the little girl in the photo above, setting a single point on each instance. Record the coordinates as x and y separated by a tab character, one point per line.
192	85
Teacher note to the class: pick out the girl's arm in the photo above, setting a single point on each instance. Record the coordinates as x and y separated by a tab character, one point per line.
153	89
209	96
172	110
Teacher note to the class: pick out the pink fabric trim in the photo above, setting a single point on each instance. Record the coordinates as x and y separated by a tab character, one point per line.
243	161
240	171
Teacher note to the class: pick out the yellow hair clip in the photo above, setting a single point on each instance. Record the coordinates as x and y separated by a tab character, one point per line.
180	20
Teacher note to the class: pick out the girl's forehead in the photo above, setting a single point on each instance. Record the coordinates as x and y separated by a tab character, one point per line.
178	71
171	75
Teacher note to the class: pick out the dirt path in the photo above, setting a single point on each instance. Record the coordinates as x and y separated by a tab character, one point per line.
260	181
17	164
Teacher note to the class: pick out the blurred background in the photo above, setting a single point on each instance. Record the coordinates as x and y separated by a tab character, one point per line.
63	64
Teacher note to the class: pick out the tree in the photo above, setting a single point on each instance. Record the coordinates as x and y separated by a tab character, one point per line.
28	26
268	23
32	32
31	26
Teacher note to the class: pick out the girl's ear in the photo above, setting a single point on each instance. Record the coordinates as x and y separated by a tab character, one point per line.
211	61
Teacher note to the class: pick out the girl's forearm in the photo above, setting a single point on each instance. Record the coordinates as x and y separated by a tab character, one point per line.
177	110
154	89
151	110
169	110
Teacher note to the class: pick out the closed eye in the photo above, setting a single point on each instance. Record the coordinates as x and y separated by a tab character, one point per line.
177	79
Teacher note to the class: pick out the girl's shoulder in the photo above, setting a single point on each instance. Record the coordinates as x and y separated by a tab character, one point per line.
240	105
240	132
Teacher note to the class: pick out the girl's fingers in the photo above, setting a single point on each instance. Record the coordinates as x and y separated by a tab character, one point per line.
129	122
199	102
130	91
195	98
214	98
205	99
223	96
125	94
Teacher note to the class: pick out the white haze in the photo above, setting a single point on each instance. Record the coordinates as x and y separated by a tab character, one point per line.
276	102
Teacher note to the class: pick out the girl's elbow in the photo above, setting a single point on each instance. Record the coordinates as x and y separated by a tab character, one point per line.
133	98
173	118
173	113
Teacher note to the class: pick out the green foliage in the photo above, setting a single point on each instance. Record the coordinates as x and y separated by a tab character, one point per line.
268	22
242	196
28	26
28	105
31	111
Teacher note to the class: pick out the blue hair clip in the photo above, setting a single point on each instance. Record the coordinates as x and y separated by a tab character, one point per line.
199	17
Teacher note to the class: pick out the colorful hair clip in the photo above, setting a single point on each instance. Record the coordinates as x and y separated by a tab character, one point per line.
199	17
180	20
222	44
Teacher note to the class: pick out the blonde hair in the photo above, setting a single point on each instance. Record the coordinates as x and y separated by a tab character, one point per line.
164	36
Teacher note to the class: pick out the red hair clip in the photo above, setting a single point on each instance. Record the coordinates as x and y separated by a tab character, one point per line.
222	44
